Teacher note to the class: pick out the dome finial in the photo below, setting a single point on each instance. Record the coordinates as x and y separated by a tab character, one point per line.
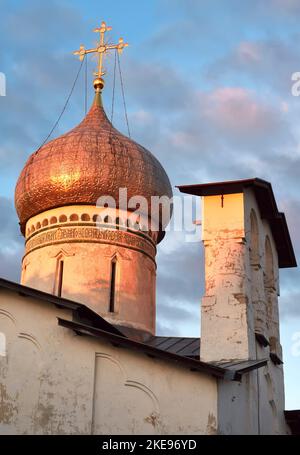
101	49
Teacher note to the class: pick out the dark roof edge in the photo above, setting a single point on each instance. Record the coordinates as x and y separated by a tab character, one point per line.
293	420
214	188
267	205
151	351
244	366
80	311
234	374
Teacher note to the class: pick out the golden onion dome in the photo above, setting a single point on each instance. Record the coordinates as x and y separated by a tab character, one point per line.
92	160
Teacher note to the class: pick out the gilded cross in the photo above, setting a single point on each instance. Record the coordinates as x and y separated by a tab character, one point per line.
102	48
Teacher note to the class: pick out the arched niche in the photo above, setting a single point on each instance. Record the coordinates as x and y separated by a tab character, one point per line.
269	276
257	286
254	239
271	299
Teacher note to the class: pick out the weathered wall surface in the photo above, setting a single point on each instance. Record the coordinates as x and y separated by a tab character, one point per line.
253	406
226	316
237	406
242	285
53	381
264	282
263	276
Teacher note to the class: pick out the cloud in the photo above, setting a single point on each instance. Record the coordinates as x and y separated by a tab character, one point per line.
180	278
225	133
263	63
36	67
291	208
236	111
11	242
45	24
180	285
146	82
289	305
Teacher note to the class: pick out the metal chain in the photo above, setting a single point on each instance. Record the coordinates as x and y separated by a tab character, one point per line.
85	83
113	92
64	108
124	102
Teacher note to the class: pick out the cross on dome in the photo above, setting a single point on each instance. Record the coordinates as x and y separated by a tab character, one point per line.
101	49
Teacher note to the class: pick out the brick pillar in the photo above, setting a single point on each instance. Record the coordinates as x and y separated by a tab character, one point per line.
227	321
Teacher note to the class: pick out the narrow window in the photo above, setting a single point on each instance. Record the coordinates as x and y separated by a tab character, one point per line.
60	277
113	286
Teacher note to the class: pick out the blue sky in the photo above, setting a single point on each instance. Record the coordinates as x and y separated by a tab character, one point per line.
208	90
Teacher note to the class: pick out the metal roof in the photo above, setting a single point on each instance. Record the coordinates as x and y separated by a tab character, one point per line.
241	366
188	347
267	205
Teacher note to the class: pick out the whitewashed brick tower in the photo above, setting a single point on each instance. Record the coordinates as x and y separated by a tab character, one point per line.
246	240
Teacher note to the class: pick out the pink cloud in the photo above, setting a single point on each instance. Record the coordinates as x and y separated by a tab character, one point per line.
238	110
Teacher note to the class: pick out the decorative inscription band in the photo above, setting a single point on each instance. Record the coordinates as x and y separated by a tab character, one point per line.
81	234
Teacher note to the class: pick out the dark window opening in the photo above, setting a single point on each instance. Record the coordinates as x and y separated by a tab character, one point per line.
112	287
60	277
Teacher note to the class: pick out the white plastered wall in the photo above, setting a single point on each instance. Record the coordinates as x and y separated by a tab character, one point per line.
56	382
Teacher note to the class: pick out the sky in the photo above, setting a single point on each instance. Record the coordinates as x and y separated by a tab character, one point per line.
208	91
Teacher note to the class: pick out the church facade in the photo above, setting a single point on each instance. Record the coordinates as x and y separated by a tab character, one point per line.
79	351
